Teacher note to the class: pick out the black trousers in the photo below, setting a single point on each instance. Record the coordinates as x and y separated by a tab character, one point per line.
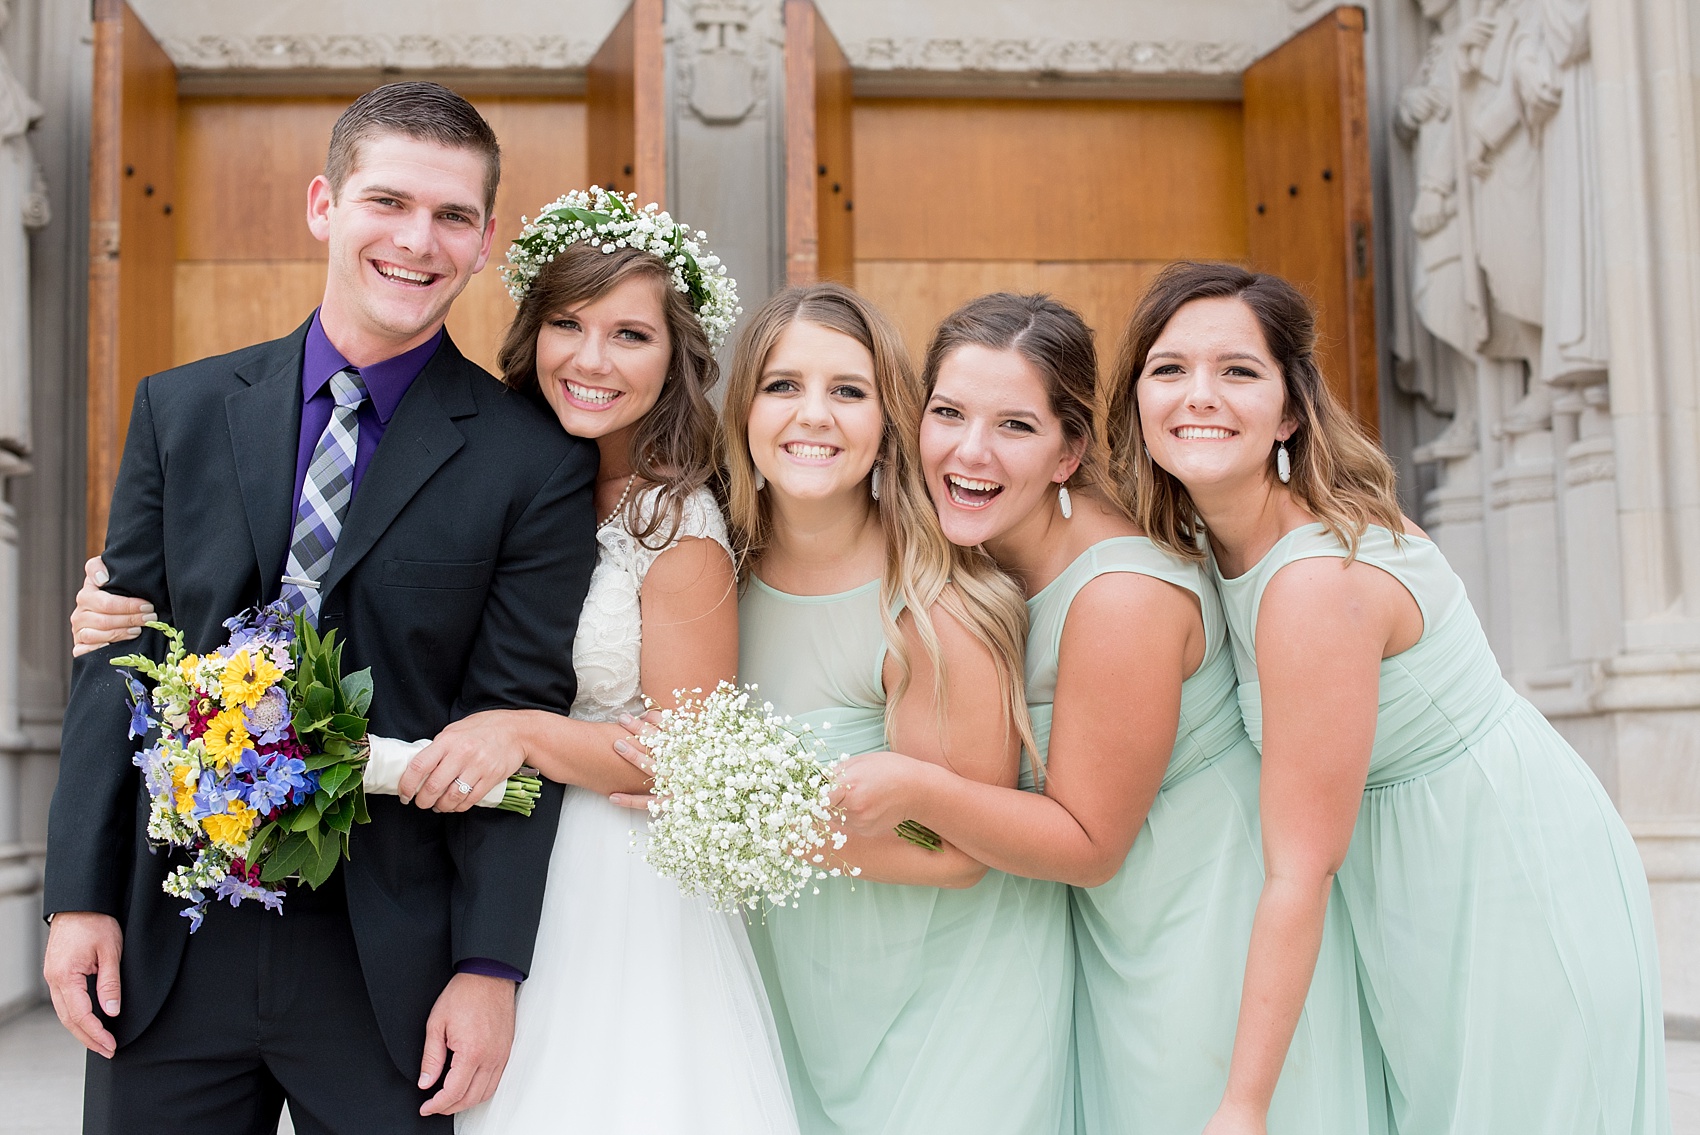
265	1008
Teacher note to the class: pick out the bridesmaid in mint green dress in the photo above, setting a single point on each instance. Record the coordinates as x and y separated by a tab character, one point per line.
1151	789
928	995
1499	908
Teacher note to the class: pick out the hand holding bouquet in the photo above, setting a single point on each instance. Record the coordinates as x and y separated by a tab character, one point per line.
740	810
260	761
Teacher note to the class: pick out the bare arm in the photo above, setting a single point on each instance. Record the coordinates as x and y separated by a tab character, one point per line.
1322	631
1107	755
690	641
970	734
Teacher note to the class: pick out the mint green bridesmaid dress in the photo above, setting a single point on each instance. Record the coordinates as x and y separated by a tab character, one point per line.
902	1009
1162	945
1499	908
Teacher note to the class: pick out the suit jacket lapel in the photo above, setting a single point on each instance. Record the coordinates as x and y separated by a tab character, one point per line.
265	449
419	439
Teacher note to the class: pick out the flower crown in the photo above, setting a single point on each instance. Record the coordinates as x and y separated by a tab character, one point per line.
613	220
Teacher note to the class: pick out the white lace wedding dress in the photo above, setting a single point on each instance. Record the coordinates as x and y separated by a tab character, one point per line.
644	1011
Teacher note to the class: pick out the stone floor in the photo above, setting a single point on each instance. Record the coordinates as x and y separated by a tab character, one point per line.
41	1079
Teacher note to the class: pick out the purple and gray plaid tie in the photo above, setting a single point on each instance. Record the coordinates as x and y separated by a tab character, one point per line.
325	494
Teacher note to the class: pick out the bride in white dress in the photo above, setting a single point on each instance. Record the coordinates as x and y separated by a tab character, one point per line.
644	1012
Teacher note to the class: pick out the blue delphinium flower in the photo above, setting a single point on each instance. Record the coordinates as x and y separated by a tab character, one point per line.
140	722
234	890
212	799
273	623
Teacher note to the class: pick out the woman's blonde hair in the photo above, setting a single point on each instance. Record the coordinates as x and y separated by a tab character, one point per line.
1339	474
922	568
675	446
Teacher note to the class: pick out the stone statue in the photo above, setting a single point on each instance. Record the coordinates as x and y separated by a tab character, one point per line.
23	208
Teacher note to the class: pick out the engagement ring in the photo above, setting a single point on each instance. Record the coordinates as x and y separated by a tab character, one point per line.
465	788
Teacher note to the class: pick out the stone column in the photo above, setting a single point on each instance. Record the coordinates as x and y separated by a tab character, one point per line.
726	134
1644	61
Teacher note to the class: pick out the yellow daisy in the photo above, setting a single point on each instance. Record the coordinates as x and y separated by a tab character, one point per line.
225	738
231	828
186	781
246	677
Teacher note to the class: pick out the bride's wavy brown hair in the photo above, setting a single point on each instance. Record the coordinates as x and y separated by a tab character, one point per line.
676	444
923	570
1339	474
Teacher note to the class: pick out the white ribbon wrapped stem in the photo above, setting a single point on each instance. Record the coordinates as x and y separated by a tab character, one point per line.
389	760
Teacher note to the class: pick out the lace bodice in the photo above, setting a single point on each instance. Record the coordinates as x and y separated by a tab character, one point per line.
610	629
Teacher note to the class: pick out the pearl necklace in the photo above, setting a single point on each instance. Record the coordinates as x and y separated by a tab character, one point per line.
620	505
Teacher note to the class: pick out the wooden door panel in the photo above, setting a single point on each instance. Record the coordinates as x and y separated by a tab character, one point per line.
1049	179
1309	193
625	91
819	172
132	181
919	293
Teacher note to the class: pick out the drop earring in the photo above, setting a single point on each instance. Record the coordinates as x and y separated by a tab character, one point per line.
1063	502
874	481
1283	464
761	481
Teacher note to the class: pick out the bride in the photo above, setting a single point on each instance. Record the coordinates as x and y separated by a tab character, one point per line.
644	1010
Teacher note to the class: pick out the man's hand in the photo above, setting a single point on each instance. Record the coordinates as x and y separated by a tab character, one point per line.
473	1019
81	943
478	751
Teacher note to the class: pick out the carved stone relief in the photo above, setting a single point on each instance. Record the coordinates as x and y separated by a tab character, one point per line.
364	52
1096	56
23	208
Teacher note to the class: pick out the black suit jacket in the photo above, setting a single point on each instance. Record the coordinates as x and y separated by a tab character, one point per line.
458	578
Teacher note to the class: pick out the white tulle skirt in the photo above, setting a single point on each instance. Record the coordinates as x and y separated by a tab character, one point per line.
644	1013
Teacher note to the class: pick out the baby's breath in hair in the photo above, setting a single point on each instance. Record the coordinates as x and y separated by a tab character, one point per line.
611	220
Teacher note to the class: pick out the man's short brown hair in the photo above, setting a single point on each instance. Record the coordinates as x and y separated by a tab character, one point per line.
429	112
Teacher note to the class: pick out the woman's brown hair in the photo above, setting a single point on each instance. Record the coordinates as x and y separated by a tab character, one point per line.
922	568
675	446
1339	474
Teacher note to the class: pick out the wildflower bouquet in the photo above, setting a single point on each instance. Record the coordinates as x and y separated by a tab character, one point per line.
259	762
740	811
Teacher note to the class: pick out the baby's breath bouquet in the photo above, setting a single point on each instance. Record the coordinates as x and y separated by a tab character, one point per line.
741	810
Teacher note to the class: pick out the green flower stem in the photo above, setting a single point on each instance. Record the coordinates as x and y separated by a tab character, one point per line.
919	834
521	795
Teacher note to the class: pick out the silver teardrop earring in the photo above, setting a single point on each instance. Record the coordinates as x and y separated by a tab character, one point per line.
1063	502
874	480
761	481
1283	464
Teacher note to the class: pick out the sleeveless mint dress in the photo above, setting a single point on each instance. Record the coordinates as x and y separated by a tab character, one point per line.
902	1009
1503	928
1162	946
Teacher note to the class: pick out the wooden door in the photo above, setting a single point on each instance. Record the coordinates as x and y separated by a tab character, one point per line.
625	95
1309	196
132	232
1083	198
820	238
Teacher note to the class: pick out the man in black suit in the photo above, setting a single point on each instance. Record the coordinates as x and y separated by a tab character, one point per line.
463	557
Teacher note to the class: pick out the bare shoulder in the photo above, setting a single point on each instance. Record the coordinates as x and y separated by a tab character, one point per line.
690	562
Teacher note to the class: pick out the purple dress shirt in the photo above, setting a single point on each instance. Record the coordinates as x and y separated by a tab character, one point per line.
386	383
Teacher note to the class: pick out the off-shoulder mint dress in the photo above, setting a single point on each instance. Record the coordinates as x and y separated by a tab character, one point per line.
902	1010
1162	945
1499	908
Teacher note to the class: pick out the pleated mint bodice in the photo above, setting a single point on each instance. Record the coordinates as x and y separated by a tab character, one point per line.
1210	716
818	658
1437	698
